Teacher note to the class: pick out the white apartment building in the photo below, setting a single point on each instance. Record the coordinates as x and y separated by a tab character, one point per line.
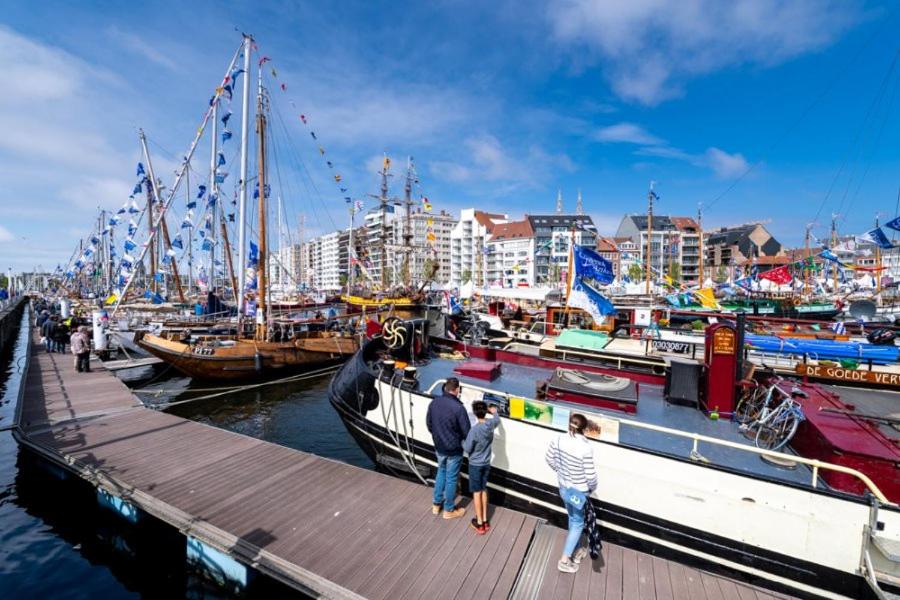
421	251
676	240
374	239
553	236
510	256
286	266
424	250
468	260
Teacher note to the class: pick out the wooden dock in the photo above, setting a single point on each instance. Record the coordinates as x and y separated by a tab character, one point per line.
321	526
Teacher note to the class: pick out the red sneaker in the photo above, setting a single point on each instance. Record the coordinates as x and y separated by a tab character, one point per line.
479	529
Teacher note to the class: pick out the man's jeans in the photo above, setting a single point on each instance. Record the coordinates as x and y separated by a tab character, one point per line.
574	501
445	480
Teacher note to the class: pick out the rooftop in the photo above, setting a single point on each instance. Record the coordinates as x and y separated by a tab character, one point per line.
607	245
487	220
515	229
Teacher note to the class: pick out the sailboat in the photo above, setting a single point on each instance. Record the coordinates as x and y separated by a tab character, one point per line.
405	299
265	345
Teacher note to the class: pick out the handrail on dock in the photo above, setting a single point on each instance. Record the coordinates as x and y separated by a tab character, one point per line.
814	464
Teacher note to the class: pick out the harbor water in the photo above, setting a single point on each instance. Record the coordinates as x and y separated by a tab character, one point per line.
76	549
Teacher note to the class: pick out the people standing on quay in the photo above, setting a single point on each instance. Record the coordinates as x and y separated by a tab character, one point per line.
60	335
47	332
448	423
81	348
478	446
571	456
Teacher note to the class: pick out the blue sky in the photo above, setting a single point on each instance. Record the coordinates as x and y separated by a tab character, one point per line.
501	104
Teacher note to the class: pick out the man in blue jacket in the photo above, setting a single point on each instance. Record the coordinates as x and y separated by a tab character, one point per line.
448	423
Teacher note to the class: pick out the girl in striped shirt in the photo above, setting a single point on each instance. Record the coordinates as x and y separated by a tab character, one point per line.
572	457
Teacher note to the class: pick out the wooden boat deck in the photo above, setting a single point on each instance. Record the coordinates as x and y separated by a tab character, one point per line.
321	526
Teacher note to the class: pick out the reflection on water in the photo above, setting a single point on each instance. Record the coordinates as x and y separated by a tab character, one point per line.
296	415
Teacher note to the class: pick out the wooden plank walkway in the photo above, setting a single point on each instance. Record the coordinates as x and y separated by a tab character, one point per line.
625	574
322	526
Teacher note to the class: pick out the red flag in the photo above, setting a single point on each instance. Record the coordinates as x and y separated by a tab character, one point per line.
780	276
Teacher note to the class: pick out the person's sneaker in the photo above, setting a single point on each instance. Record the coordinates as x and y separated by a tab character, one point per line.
579	555
455	513
567	566
479	529
435	509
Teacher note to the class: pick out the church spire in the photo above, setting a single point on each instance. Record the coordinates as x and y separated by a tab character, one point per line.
559	206
579	206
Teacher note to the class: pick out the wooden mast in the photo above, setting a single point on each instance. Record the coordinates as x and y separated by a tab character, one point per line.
263	251
153	191
407	226
234	283
384	202
152	241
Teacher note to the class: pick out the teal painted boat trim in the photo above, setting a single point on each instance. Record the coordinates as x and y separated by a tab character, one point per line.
125	509
215	564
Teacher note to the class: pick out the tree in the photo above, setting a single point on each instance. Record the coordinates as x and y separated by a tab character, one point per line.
675	272
466	275
430	268
4	282
554	273
635	272
721	274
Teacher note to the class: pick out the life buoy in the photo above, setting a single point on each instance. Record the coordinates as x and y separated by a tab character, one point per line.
797	300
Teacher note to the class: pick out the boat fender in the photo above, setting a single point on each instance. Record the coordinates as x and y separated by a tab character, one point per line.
257	362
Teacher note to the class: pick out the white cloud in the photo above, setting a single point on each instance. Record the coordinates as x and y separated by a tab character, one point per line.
133	42
62	148
649	49
627	132
721	163
90	193
725	165
5	235
488	161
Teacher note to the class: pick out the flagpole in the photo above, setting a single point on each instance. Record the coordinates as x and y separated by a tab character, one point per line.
700	231
570	276
877	261
649	261
834	276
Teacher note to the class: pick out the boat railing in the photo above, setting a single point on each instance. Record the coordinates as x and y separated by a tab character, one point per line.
611	359
816	466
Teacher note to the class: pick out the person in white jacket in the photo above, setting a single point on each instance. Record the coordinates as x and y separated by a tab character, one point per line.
572	458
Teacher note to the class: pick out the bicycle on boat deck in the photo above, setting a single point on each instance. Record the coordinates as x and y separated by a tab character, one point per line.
769	414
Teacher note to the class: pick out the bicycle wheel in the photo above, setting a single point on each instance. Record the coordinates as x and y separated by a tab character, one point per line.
766	437
749	407
778	432
790	424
